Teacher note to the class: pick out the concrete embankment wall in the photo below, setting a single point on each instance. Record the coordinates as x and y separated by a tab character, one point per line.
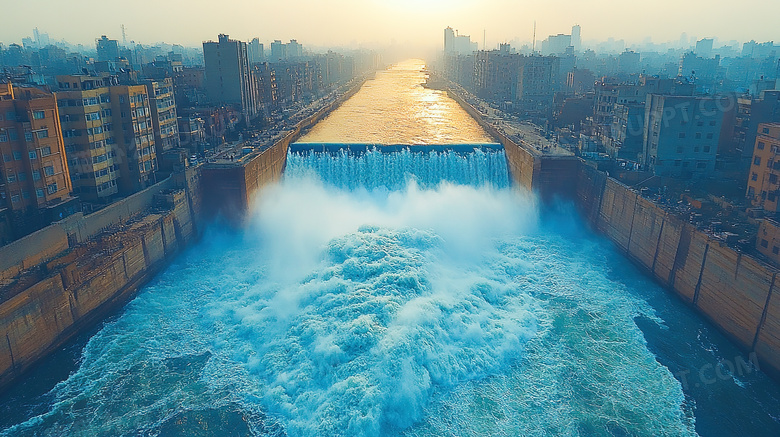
96	262
736	292
228	188
545	174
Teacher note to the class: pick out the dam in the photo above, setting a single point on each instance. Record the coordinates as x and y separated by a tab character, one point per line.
402	286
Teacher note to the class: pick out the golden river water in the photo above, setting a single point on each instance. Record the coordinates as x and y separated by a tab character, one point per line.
394	108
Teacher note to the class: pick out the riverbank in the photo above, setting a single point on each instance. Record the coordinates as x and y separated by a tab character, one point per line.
736	292
69	275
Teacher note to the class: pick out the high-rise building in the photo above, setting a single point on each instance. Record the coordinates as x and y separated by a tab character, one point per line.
763	186
278	51
627	131
255	51
455	44
107	49
449	40
164	116
495	74
556	44
294	49
576	37
135	138
109	136
228	78
704	47
536	81
628	62
35	188
681	135
90	141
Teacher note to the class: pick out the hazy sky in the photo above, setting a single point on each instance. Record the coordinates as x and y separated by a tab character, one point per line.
371	22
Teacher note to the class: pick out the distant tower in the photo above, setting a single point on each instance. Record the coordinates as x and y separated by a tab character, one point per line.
576	37
449	40
124	36
37	36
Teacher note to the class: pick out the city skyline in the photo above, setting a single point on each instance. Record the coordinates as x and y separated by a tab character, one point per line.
349	23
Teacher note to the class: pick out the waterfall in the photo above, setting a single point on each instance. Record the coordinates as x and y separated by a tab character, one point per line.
371	168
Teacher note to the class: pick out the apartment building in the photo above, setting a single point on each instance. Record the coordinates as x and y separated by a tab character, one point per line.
763	187
35	188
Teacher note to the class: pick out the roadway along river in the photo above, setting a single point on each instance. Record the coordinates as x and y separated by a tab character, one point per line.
405	294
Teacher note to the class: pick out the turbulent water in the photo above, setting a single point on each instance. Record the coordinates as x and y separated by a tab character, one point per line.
404	294
394	108
427	308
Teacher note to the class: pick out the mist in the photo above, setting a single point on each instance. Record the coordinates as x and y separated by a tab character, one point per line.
408	26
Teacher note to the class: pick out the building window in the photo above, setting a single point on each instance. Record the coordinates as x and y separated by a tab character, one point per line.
760	145
772	178
709	136
706	149
28	137
36	175
52	188
15	198
3	137
764	243
698	135
681	135
696	149
754	177
757	160
712	123
10	115
38	115
39	193
701	164
33	155
775	250
17	155
21	177
43	133
48	170
770	197
45	151
765	130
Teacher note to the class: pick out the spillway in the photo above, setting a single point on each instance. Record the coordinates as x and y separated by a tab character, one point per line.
441	302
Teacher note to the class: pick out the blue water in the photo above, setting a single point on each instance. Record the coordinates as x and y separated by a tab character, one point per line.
426	306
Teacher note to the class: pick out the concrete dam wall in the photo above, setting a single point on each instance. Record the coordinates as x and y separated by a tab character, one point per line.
736	292
548	175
